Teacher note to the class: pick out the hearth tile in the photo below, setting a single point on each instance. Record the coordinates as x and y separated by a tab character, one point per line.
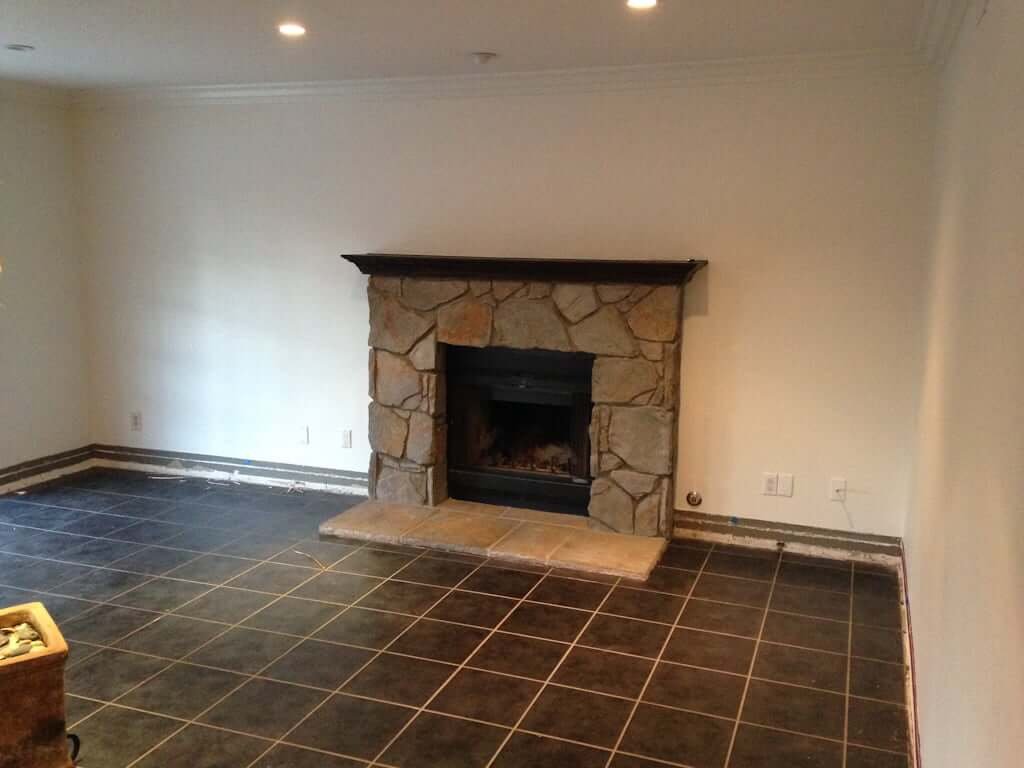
264	708
571	593
432	570
603	672
471	608
117	736
547	518
472	508
699	690
681	737
400	679
199	747
433	740
640	638
803	710
485	696
546	621
182	690
453	530
578	715
531	542
524	750
765	748
516	655
318	664
371	629
378	724
403	597
439	640
612	553
710	650
377	521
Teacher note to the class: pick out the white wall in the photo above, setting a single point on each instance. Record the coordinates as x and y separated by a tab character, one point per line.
965	534
42	371
220	309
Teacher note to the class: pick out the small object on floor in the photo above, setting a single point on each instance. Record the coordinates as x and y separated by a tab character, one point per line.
320	565
18	640
167	477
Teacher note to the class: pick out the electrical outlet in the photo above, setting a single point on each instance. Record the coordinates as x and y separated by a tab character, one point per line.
304	436
837	489
770	484
346	438
785	484
135	421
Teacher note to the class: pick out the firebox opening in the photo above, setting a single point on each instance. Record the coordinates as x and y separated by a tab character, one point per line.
518	427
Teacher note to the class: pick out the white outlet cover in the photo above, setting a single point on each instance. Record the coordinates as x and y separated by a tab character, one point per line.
346	438
785	484
770	484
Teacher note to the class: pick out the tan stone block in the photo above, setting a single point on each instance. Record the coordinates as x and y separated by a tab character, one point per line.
531	542
643	438
465	323
479	287
424	355
388	430
611	505
622	379
614	554
392	285
603	333
423	438
423	294
648	512
397	381
636	484
452	530
538	290
392	326
575	301
529	324
502	289
610	294
401	486
656	317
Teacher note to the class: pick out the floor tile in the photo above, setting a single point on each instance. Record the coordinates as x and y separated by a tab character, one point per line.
712	651
379	723
811	602
700	690
821	634
642	604
294	616
149	532
114	737
578	715
485	696
801	666
400	679
101	551
667	580
431	570
799	575
763	748
199	747
171	636
182	690
863	757
719	617
878	680
401	597
613	633
156	561
105	624
524	750
727	589
201	539
513	654
877	724
145	508
473	608
501	581
546	621
60	495
264	708
328	553
683	737
373	562
876	585
440	641
432	740
741	566
161	594
272	577
372	629
815	713
877	643
46	574
340	588
877	611
109	673
284	756
212	569
97	524
76	708
226	604
319	664
243	650
684	557
604	672
571	593
257	547
102	584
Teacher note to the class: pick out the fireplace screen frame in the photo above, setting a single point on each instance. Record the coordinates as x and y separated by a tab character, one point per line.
540	377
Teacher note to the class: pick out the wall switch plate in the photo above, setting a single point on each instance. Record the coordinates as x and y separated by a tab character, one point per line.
346	438
837	489
304	436
135	421
770	484
785	484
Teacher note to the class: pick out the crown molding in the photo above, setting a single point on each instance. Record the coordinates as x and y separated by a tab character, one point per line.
938	31
603	80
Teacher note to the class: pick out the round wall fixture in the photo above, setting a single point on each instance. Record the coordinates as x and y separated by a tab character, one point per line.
483	57
693	498
19	47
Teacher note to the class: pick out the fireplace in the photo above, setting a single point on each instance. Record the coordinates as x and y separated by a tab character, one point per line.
550	385
518	427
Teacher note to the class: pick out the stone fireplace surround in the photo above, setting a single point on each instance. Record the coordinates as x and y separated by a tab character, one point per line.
626	313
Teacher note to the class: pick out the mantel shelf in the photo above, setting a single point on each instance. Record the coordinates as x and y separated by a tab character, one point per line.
550	270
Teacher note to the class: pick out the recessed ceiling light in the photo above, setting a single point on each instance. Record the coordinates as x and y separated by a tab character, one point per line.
20	47
641	5
291	29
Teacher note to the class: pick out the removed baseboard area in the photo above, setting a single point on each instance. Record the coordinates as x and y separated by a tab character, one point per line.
217	468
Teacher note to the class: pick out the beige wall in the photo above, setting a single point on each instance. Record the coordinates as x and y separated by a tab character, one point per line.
220	309
42	366
965	534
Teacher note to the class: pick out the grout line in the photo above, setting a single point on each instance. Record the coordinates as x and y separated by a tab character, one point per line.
657	661
565	654
750	670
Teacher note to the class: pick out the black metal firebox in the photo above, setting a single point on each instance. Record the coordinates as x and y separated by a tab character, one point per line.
518	427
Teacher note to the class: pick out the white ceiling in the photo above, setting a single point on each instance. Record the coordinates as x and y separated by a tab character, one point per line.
193	42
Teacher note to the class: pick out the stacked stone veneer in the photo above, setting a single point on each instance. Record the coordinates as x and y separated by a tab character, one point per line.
633	330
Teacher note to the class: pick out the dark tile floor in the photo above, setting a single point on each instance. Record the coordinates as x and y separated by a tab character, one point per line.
201	637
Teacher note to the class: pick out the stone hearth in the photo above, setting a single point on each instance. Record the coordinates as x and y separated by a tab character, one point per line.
632	328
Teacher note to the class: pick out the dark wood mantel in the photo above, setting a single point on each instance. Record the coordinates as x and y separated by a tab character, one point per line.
552	270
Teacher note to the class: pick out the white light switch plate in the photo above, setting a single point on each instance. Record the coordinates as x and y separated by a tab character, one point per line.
770	484
785	484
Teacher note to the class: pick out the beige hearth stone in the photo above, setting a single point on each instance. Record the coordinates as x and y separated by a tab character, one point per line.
503	533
